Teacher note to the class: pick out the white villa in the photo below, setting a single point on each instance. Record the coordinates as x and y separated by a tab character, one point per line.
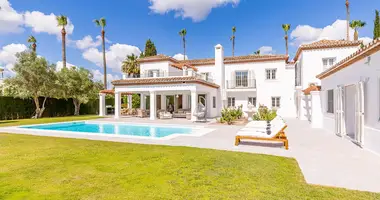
347	105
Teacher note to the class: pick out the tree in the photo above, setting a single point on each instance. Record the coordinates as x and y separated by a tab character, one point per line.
34	78
357	24
233	40
32	40
150	49
131	65
257	52
62	21
286	28
376	30
348	19
102	23
183	34
78	84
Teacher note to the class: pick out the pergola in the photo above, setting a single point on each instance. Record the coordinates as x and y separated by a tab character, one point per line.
102	100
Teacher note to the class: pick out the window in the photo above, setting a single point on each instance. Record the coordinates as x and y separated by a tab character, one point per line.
276	102
241	79
213	102
328	62
271	74
205	75
151	73
252	100
231	101
330	101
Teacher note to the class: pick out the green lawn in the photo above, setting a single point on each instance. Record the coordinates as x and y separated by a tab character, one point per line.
33	167
20	122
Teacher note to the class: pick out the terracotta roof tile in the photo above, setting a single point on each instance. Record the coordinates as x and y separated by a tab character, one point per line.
367	50
326	44
164	80
181	65
112	92
159	57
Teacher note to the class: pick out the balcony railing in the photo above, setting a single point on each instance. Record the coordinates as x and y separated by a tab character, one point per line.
241	84
168	74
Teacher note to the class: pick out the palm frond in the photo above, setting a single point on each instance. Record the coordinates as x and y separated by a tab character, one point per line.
233	29
32	39
61	20
286	27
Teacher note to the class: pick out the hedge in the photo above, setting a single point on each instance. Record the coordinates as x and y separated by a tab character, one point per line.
16	108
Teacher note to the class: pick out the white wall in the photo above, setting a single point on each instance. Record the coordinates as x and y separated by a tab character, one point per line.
311	62
352	75
162	66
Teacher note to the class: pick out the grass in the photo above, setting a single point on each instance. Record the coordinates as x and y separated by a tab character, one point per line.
33	167
20	122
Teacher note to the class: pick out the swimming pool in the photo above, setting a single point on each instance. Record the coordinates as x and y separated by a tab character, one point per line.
120	129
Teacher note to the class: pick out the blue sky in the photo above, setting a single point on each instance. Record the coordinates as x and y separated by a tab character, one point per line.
132	22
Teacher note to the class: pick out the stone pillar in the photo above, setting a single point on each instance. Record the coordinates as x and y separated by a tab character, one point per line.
193	104
163	102
130	101
117	105
102	105
175	103
153	105
184	101
316	110
142	101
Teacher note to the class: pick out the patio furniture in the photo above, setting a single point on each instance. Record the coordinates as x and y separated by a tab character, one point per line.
165	115
200	113
276	133
141	113
262	124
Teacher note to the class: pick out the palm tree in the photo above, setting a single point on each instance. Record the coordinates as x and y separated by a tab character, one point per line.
62	21
257	52
357	24
286	28
131	65
183	33
102	23
348	19
32	40
233	40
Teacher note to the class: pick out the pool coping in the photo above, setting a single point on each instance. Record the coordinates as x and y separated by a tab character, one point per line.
197	131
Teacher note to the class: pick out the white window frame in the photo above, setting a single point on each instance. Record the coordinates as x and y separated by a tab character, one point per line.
330	108
243	80
253	100
271	74
276	102
329	62
231	101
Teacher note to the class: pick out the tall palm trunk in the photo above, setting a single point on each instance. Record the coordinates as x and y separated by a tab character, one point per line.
286	44
104	60
356	35
348	19
63	32
184	48
233	47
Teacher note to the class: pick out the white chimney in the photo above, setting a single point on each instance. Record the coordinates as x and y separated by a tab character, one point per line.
219	75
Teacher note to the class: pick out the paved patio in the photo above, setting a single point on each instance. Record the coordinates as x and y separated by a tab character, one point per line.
324	158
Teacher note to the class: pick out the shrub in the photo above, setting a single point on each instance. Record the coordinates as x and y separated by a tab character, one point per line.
264	114
229	115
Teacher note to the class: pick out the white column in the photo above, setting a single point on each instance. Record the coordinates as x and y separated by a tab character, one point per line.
193	104
163	102
184	71
130	101
142	101
175	103
102	105
189	72
153	105
316	110
303	107
184	101
117	105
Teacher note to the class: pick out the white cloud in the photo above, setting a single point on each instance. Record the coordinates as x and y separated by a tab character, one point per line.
59	65
98	76
265	50
114	55
88	42
336	31
179	56
10	20
41	23
8	56
197	10
366	40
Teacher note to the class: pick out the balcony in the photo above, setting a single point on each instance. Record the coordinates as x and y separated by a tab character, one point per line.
169	74
241	84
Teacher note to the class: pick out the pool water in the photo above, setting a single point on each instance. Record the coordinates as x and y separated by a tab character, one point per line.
116	129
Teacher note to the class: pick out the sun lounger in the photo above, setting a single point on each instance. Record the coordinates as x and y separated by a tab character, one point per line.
276	134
